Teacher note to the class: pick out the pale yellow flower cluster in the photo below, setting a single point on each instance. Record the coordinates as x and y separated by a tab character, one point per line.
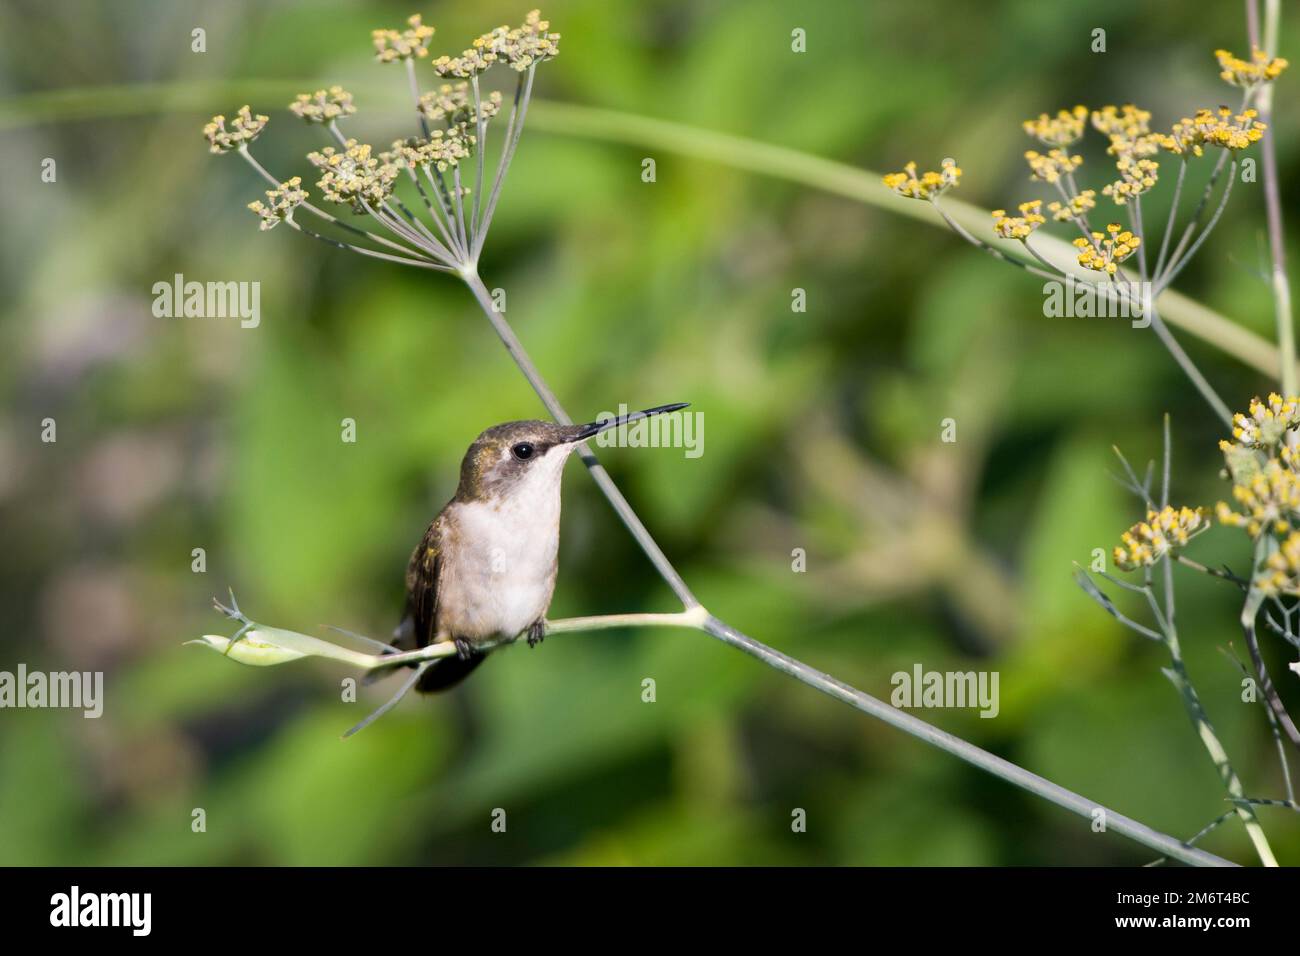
1263	464
442	149
1247	73
1078	206
1268	499
1132	144
1280	574
518	47
453	103
280	204
243	130
1060	130
1136	176
1126	122
1162	533
1049	168
1221	128
928	185
451	117
323	106
524	45
1213	128
391	45
1019	227
1104	251
1186	137
353	176
1264	424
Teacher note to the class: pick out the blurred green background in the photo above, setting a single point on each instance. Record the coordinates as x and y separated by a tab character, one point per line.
821	433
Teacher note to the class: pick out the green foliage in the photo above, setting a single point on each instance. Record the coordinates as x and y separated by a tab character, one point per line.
623	292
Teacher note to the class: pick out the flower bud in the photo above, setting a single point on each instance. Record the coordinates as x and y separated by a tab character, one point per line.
255	646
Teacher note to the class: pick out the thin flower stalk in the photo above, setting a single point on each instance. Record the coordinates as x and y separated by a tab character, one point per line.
1173	216
523	93
1176	264
481	127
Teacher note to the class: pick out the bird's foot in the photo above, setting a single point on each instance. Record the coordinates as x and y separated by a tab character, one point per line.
464	650
536	633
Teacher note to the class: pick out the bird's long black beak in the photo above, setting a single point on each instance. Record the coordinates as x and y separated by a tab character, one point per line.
595	428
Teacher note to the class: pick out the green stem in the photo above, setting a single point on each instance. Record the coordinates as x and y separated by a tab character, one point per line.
1273	202
698	618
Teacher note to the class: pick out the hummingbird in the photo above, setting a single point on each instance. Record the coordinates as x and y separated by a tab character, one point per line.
484	572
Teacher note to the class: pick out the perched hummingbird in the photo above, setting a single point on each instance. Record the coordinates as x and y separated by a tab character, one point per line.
485	569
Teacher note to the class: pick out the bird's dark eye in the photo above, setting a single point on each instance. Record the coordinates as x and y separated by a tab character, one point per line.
523	451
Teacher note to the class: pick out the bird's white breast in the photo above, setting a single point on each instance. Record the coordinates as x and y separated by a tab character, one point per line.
498	570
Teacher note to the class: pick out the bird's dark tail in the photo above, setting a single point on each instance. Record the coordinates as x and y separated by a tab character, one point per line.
448	672
443	673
